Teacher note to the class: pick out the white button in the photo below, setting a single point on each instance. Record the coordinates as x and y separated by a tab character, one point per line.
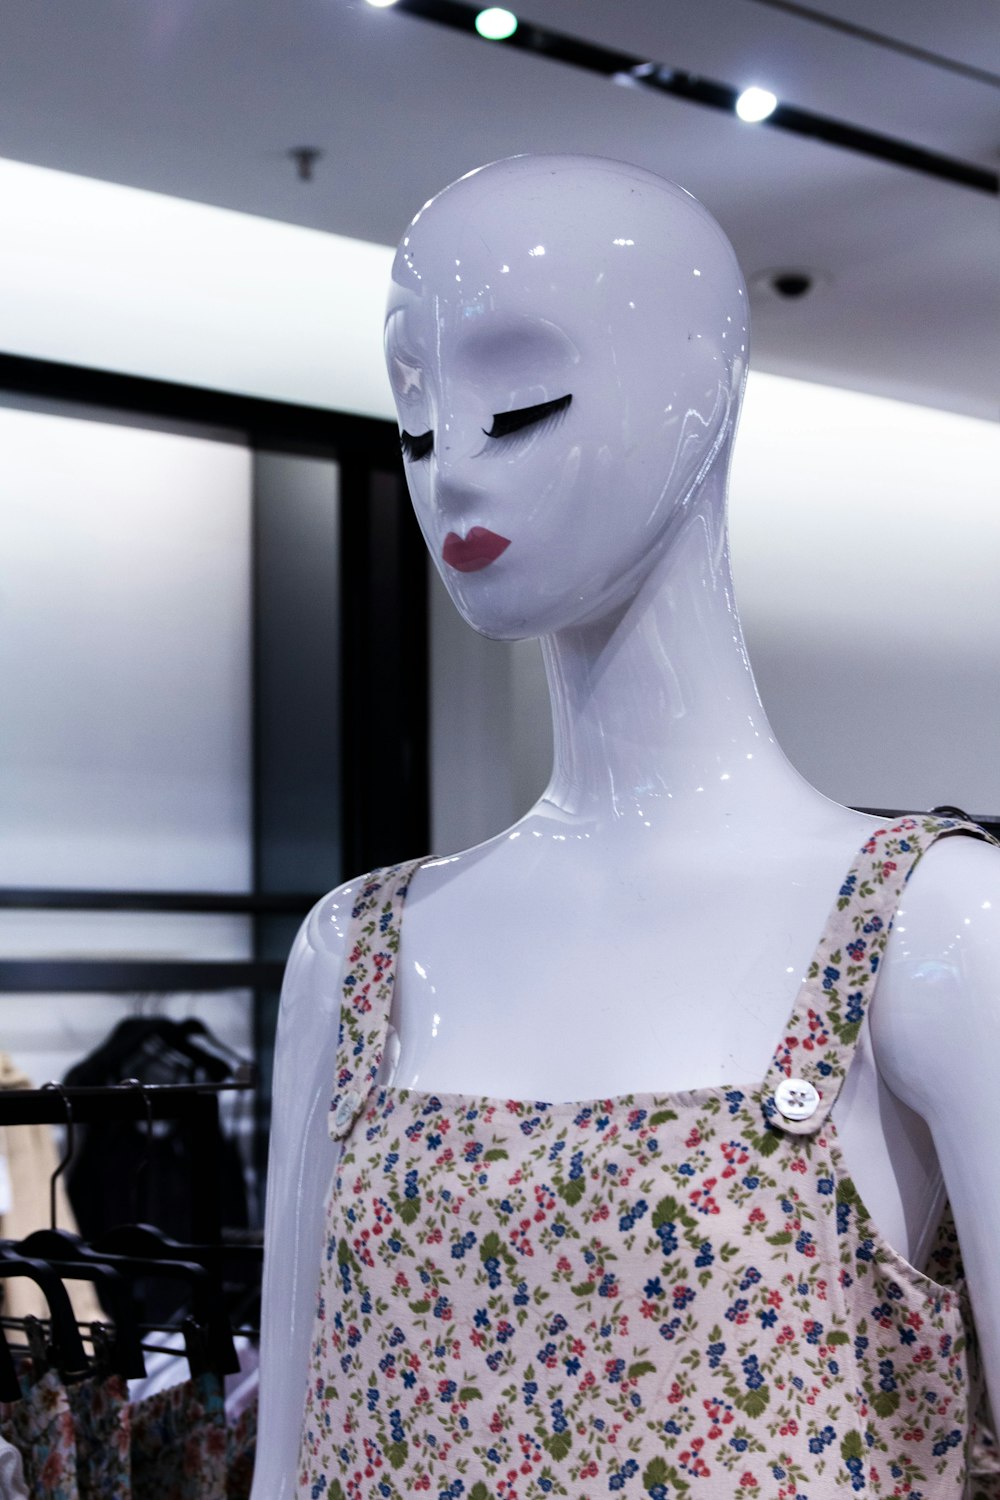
796	1098
346	1109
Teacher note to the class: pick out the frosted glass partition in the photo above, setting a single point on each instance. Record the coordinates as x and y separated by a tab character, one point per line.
125	685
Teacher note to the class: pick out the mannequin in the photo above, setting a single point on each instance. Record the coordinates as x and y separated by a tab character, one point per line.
567	342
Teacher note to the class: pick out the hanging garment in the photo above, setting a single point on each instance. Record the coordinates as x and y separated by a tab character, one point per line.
121	1173
241	1453
672	1295
11	1473
40	1427
179	1443
102	1423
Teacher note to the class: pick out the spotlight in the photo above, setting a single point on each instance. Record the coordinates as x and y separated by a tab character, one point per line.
496	24
381	4
756	104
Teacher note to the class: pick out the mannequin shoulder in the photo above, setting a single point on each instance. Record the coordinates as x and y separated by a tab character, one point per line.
316	960
936	1017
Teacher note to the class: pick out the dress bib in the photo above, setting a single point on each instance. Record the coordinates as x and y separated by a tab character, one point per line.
676	1295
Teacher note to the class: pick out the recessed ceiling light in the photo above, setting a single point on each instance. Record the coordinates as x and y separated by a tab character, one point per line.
756	104
496	24
381	4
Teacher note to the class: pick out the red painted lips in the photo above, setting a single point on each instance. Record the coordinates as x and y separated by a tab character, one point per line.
477	550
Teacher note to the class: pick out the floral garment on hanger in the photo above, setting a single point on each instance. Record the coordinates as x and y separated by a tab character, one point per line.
179	1443
40	1426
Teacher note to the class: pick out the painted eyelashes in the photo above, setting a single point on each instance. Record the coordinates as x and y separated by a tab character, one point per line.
504	425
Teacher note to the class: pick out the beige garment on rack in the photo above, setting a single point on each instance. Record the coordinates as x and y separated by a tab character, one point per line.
31	1160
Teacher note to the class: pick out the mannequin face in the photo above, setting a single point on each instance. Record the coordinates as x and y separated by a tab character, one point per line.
566	340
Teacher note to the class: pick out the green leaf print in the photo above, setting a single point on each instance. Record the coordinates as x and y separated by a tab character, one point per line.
641	1367
885	1402
852	1446
558	1444
838	1336
496	1153
754	1402
420	1307
479	1491
783	1237
336	1490
491	1247
667	1211
766	1144
346	1257
408	1209
659	1473
396	1453
662	1117
584	1289
571	1192
469	1393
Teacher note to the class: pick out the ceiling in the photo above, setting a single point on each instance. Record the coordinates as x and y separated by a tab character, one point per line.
204	99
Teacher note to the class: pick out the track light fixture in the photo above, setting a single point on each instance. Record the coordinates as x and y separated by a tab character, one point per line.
755	104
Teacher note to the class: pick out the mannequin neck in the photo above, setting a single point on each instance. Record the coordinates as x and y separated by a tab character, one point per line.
656	716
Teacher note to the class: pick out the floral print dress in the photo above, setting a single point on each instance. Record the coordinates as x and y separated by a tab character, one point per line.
675	1295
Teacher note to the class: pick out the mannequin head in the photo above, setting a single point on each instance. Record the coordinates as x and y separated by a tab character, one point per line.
567	340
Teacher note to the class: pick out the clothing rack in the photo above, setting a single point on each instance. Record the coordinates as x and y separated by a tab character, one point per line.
195	1107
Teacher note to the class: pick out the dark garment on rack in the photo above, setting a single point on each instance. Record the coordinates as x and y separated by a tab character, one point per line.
122	1173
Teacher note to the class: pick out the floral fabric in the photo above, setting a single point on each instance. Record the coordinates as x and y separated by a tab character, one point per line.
86	1442
102	1429
241	1452
40	1427
179	1443
673	1295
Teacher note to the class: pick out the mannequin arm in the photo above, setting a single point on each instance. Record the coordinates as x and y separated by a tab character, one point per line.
936	1032
300	1171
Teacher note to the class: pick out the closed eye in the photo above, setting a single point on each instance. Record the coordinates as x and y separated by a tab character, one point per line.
506	422
416	447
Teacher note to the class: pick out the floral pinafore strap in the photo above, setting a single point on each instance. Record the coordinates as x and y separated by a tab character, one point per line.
369	975
813	1057
816	1049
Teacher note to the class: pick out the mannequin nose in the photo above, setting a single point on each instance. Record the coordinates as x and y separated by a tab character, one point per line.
457	481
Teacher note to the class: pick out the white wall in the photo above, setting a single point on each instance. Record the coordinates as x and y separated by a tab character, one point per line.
866	549
116	278
125	693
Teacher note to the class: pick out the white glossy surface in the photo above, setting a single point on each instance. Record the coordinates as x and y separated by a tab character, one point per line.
645	925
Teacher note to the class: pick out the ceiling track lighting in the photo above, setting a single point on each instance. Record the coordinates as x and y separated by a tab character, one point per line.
639	72
756	104
496	24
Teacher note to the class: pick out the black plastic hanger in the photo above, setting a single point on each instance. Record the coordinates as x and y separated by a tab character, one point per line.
140	1250
74	1260
67	1351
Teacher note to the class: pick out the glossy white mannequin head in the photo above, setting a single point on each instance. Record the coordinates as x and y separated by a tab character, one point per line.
567	342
